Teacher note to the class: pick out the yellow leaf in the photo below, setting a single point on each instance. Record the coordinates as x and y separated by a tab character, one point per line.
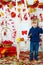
10	5
19	9
32	10
18	40
1	13
35	1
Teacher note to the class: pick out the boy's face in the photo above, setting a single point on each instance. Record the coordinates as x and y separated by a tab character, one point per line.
35	23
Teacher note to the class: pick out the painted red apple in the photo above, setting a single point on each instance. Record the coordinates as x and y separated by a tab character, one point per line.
13	14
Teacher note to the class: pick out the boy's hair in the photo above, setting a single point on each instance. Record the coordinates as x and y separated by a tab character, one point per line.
34	20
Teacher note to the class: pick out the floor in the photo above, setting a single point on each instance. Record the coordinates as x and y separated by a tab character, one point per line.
24	60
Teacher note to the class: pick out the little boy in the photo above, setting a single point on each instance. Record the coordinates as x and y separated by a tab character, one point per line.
34	35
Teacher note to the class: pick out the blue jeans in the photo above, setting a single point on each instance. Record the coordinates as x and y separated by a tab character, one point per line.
34	46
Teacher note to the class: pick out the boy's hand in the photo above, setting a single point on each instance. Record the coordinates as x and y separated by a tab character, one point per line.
28	38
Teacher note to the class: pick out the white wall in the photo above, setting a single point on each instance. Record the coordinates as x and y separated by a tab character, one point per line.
18	26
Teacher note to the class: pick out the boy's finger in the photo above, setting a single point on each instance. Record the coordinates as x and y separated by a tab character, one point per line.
28	37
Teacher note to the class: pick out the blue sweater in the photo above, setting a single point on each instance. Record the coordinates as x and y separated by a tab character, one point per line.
34	34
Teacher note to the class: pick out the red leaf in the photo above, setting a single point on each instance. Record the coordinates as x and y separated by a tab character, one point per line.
32	17
24	32
7	42
22	1
40	6
0	0
4	33
24	10
19	2
40	14
14	3
2	23
25	17
0	5
22	39
34	5
5	3
8	10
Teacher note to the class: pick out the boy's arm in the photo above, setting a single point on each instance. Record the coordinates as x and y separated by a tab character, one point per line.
41	30
29	34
